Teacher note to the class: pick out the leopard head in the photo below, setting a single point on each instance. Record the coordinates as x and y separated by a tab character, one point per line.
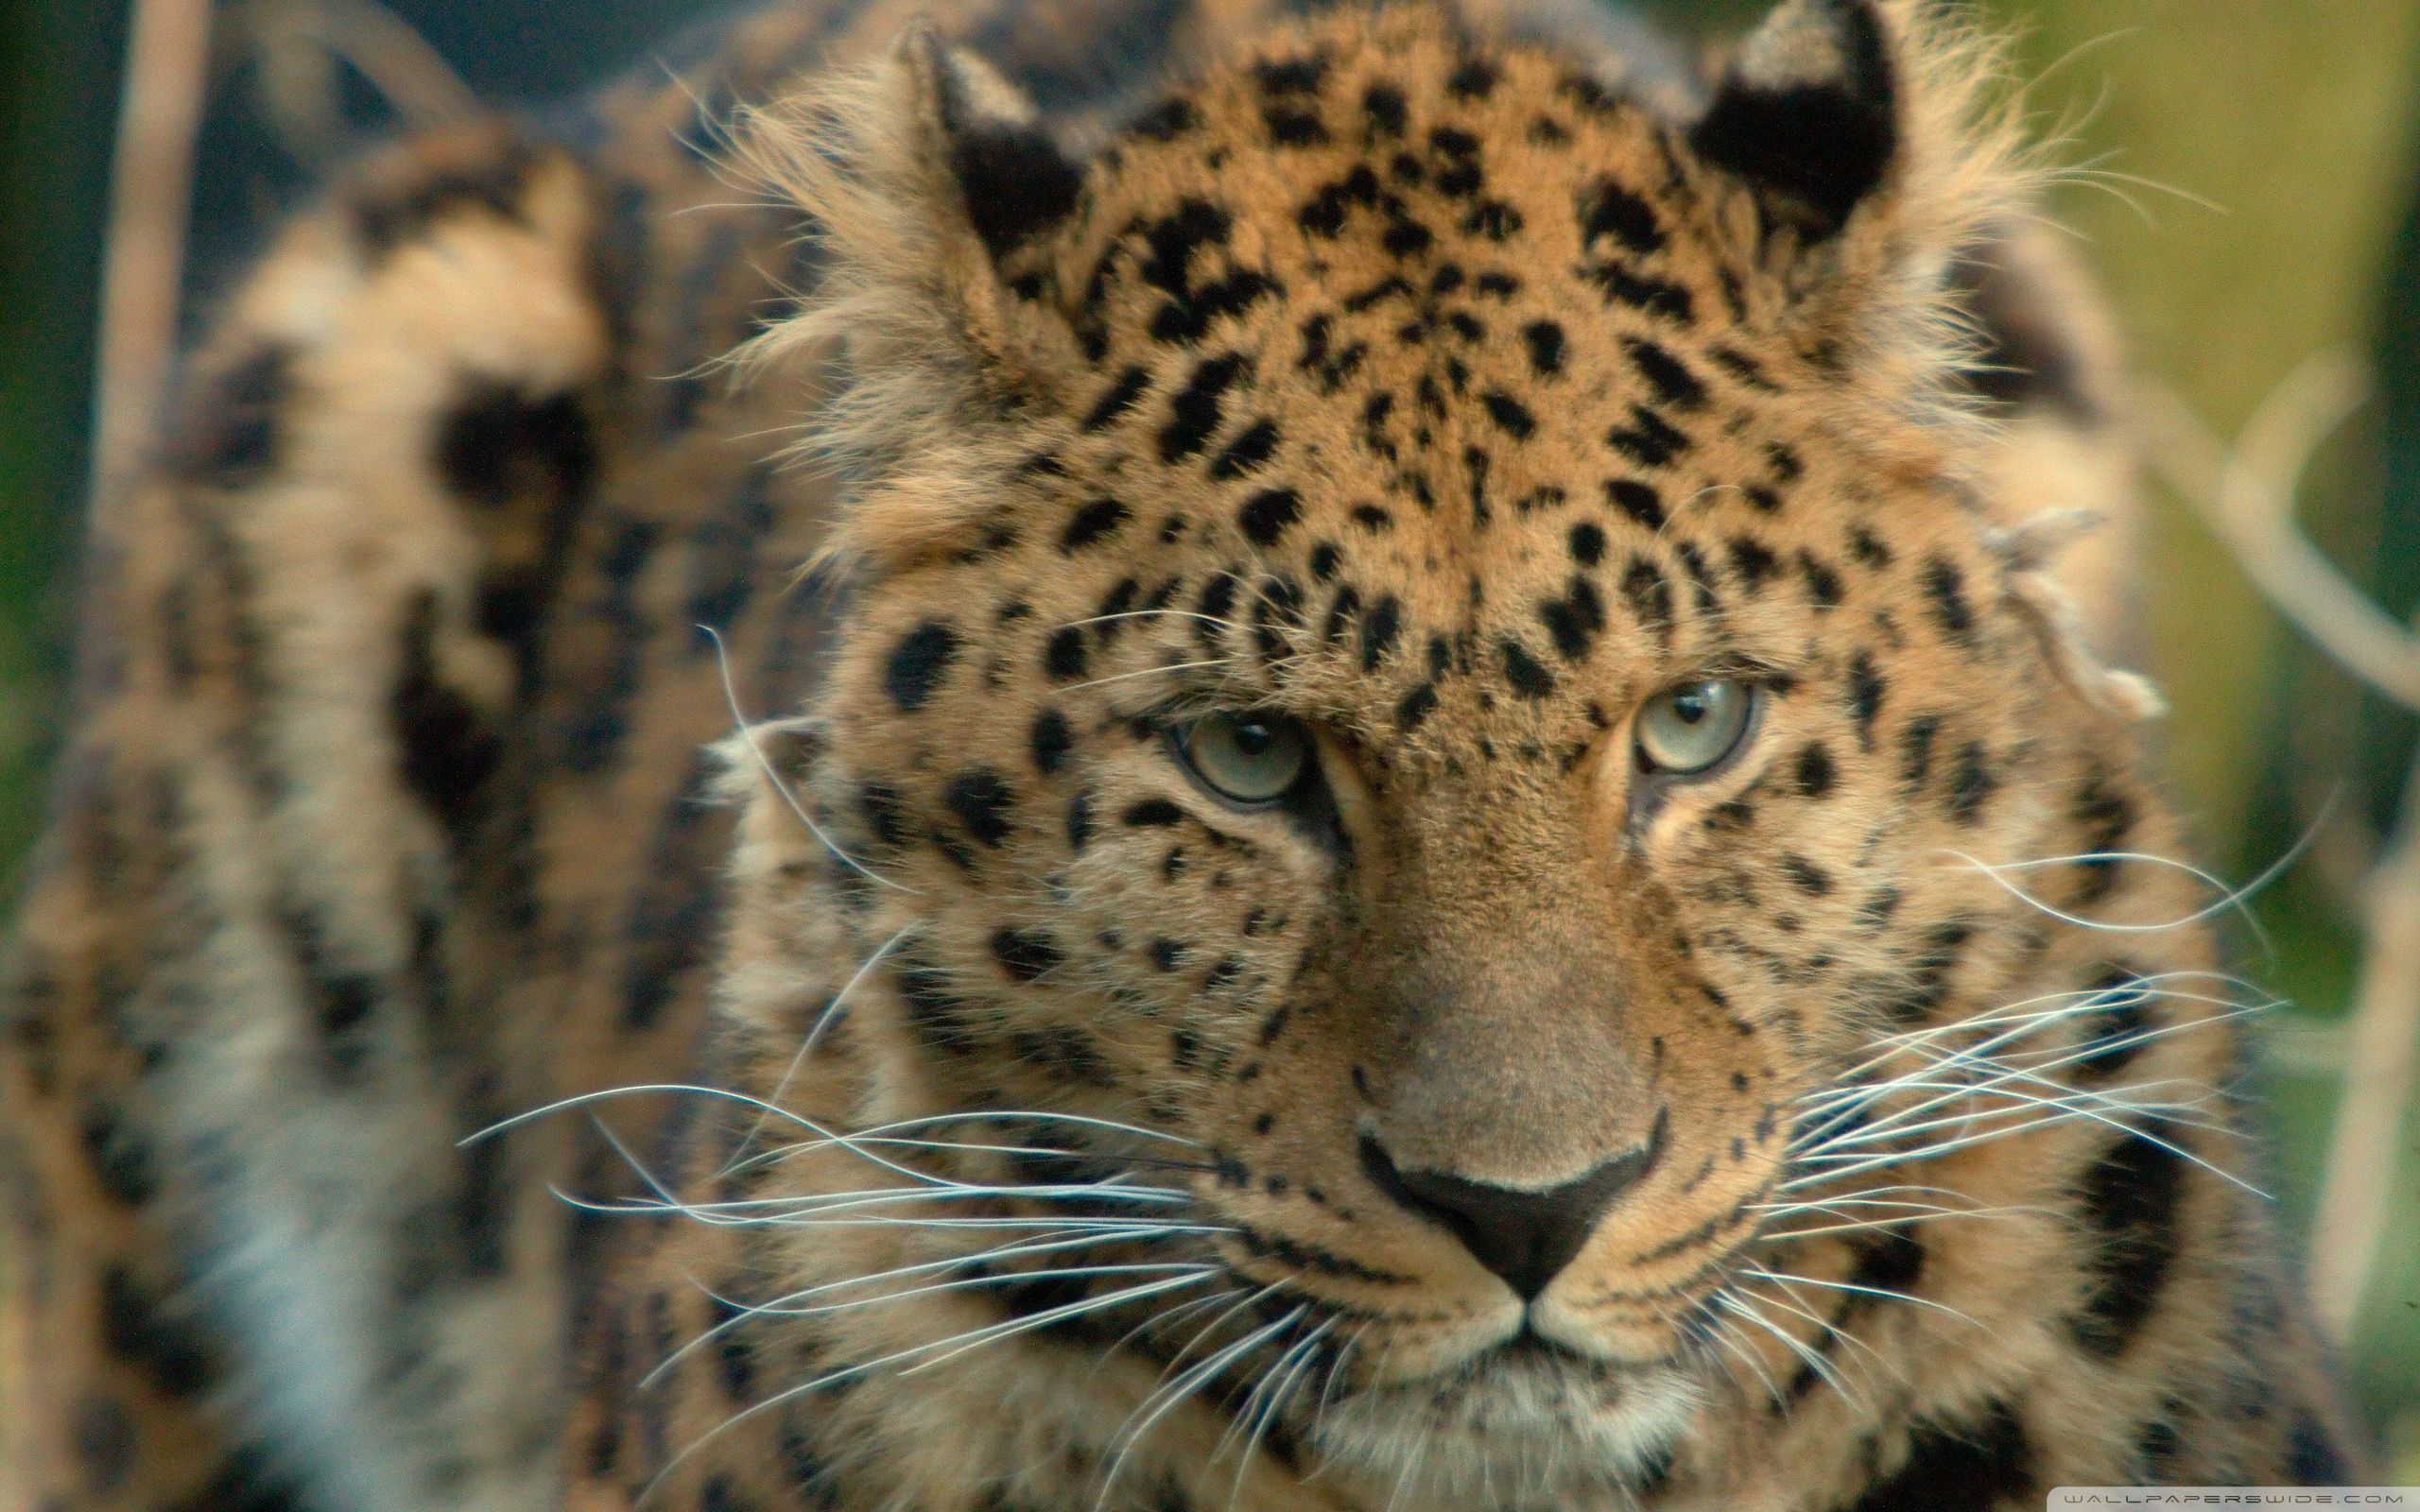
1419	637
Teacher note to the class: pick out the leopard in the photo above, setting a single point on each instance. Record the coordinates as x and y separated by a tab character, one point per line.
1053	755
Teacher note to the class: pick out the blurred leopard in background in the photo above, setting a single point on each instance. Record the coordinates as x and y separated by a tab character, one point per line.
1436	833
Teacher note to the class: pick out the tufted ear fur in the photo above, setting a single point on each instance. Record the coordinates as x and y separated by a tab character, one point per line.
924	177
1807	113
1869	150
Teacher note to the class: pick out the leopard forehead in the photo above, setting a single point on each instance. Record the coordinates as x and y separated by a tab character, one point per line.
1430	368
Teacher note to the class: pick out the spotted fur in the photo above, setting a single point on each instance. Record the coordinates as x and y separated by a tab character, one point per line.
1450	381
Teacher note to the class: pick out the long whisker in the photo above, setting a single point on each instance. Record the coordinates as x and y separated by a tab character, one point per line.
1186	1384
812	1038
955	1345
756	748
1717	1330
749	1311
1825	1370
1884	1291
2230	897
1150	672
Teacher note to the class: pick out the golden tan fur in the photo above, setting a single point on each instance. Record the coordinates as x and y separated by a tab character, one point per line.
1452	382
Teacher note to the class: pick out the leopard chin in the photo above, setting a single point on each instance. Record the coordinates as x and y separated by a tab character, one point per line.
1525	1424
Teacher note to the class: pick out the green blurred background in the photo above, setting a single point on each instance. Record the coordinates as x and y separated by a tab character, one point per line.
2271	210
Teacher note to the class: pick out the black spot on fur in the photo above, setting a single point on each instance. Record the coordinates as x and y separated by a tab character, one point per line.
1970	1467
1650	594
1916	739
1385	107
596	726
230	436
2107	817
936	1016
1052	739
1545	340
1574	620
880	806
1473	78
917	664
1293	126
1266	515
159	1338
2313	1457
1510	416
1379	629
1609	209
1191	307
1523	671
1752	560
981	802
1066	655
446	749
1648	439
343	998
1805	876
1247	451
1119	398
1093	521
1889	1259
1025	954
1637	500
1814	773
391	213
1666	374
1971	783
1639	291
1946	587
1287	77
1154	813
1194	413
1587	544
2121	1017
1866	691
2131	1199
498	445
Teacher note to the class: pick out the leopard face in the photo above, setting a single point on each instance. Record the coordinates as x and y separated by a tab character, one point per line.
1424	684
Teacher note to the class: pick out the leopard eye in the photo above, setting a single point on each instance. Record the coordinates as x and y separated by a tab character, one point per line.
1688	730
1248	759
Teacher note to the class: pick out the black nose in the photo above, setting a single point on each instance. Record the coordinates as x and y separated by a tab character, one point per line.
1526	1237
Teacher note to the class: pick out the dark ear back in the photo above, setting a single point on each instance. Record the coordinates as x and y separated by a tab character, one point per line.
1013	177
1808	112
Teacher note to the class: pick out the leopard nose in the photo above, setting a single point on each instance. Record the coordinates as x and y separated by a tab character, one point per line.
1527	1237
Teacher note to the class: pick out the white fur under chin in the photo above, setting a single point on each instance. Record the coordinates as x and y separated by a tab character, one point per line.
1526	1437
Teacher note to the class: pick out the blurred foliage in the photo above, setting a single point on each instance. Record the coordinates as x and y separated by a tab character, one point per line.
59	66
2247	186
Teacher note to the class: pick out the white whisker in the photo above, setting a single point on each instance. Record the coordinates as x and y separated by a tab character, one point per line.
755	748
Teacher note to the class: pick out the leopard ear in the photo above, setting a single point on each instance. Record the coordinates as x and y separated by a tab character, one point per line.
981	145
932	188
1869	147
1808	113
